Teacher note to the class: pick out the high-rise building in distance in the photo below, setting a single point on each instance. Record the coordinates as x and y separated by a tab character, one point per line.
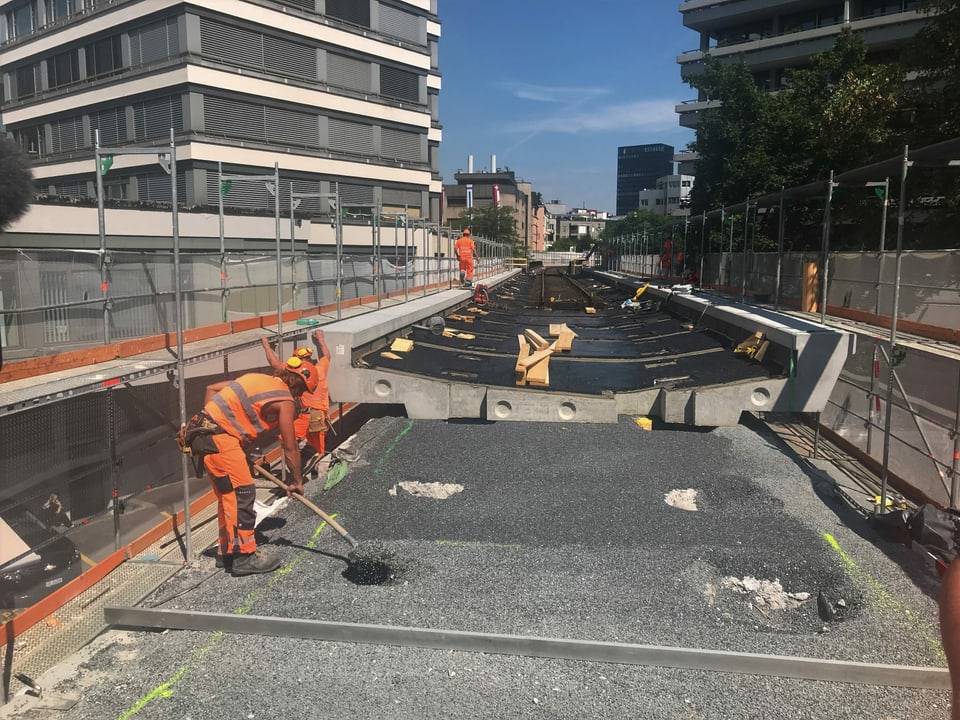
638	167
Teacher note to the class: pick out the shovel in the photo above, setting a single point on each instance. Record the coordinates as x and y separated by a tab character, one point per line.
330	521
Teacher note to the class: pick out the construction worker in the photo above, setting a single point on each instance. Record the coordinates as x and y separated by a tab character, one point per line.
235	413
311	422
466	251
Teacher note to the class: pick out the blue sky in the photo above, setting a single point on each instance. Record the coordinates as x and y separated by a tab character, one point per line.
554	87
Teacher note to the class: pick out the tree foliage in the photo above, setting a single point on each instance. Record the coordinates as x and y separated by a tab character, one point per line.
636	223
839	113
934	58
16	182
498	224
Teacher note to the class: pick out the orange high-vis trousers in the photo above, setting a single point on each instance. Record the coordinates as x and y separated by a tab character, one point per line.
466	267
235	490
312	427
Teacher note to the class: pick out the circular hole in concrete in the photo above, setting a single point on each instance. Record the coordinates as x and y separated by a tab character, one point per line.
502	409
567	411
382	388
760	396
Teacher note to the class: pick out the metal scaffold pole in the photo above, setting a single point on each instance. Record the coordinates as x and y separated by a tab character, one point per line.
101	223
181	380
223	254
825	280
743	269
780	228
901	213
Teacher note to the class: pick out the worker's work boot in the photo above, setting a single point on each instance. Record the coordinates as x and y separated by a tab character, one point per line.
254	563
224	561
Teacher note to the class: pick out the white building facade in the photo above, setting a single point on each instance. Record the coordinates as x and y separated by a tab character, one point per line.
336	92
670	196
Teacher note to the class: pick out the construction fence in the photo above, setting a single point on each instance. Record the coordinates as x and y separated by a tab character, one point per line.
57	300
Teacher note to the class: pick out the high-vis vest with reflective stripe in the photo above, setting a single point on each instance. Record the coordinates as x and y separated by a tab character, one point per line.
238	408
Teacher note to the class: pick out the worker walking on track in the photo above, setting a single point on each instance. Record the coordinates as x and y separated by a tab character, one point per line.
311	422
234	414
466	251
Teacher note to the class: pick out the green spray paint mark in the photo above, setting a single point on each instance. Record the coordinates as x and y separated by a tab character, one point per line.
165	689
336	473
884	599
396	441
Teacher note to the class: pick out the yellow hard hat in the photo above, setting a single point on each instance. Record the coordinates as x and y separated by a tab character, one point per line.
306	370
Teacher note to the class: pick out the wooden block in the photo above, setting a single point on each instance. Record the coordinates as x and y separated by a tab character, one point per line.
521	370
449	333
565	341
535	339
390	356
556	329
539	374
401	345
535	357
466	336
590	311
761	351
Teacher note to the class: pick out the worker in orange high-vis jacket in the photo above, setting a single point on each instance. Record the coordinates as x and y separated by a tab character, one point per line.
311	422
238	411
466	251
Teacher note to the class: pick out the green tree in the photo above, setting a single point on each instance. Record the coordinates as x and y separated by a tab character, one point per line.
934	57
16	182
840	113
492	223
735	140
635	223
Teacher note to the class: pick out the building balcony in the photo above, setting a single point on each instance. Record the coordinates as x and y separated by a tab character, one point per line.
794	48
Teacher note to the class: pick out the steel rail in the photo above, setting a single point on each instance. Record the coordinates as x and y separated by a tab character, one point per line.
841	671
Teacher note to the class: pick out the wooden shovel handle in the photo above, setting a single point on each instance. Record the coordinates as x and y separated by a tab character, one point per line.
329	520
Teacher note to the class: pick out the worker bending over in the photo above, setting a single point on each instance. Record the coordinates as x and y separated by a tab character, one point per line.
466	251
311	422
235	413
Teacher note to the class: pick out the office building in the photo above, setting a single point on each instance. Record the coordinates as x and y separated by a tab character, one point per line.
488	187
773	36
638	167
670	196
334	91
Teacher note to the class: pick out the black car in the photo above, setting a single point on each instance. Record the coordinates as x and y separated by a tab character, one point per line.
35	560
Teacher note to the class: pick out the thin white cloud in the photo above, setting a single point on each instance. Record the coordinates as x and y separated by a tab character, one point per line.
554	94
640	115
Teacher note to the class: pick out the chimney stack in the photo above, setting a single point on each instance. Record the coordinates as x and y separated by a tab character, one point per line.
469	163
493	163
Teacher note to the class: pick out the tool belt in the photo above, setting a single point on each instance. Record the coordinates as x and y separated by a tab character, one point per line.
195	439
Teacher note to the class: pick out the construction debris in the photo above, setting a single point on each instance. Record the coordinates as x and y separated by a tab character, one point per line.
590	311
390	356
533	368
402	345
754	347
564	336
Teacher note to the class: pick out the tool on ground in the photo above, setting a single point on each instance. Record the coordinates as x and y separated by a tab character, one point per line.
330	521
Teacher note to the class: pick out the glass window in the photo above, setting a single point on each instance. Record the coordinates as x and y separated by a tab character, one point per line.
63	69
60	9
31	139
104	56
21	20
26	81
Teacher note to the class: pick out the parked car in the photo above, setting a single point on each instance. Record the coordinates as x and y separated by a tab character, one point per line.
34	559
